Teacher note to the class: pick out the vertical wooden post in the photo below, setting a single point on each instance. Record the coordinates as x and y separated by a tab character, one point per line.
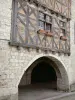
14	21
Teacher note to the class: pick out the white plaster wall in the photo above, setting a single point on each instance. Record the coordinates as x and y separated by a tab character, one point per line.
72	34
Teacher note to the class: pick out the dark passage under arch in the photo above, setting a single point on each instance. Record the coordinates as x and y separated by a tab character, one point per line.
42	76
44	73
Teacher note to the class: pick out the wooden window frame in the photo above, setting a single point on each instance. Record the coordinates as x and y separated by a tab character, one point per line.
14	21
45	21
63	27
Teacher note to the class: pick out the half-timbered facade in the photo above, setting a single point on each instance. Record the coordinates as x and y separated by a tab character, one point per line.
42	24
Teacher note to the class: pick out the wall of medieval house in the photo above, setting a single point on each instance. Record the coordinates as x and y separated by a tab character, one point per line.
14	62
72	35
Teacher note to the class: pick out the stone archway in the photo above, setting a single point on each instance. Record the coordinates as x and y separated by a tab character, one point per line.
62	77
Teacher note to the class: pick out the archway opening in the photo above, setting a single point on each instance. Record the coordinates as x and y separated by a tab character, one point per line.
44	73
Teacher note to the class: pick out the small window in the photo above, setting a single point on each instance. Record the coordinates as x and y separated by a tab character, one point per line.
45	22
63	28
48	19
41	25
48	27
63	32
41	16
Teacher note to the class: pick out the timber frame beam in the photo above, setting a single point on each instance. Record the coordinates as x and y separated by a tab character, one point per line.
25	27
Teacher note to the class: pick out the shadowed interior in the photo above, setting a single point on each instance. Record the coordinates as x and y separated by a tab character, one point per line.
43	73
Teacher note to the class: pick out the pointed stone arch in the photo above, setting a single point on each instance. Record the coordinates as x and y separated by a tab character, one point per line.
62	76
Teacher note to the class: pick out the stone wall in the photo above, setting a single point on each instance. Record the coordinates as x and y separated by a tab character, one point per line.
72	34
14	62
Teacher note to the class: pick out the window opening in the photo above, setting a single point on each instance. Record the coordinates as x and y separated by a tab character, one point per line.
45	22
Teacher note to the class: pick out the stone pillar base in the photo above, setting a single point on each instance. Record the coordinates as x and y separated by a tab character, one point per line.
10	97
72	87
